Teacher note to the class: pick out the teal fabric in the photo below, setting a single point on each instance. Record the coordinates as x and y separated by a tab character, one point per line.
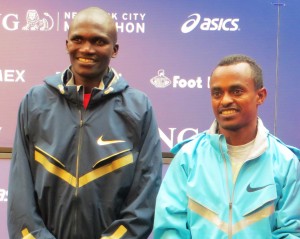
201	172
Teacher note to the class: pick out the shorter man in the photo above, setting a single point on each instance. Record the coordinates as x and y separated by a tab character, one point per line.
235	180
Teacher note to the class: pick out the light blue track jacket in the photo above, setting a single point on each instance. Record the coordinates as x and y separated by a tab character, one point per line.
198	198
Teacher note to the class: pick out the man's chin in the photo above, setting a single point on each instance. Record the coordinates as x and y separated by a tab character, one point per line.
229	126
85	73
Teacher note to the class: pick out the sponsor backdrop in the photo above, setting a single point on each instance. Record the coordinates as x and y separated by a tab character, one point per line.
167	49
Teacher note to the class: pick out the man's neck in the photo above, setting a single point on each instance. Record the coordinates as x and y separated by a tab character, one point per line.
89	83
239	137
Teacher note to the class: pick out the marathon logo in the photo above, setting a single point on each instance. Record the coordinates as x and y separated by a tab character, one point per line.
34	20
127	22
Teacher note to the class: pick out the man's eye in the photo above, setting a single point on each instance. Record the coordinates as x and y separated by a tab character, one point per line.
216	94
77	40
99	42
237	91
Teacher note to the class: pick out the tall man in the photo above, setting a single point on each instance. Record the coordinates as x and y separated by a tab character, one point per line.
86	159
234	180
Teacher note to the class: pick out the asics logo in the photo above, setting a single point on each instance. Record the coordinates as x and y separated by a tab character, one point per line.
209	24
102	142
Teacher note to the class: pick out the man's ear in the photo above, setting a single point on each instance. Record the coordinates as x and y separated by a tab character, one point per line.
116	50
67	50
261	95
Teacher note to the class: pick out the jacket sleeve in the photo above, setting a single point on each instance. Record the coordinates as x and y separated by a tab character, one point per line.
23	219
137	214
288	207
171	206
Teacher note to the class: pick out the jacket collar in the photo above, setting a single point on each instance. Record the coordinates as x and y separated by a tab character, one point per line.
68	79
260	141
112	83
218	141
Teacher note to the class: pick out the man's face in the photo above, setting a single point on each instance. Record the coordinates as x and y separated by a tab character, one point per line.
234	97
91	45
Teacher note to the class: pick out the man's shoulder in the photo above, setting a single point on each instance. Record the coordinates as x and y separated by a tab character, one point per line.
283	148
40	89
134	92
136	97
190	143
36	89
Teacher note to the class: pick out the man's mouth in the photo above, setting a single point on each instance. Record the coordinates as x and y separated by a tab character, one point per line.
86	60
228	112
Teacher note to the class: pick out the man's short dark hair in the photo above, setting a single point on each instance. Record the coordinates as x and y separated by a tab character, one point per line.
256	69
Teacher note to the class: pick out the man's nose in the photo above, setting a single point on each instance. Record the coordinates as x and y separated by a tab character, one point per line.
226	99
87	47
